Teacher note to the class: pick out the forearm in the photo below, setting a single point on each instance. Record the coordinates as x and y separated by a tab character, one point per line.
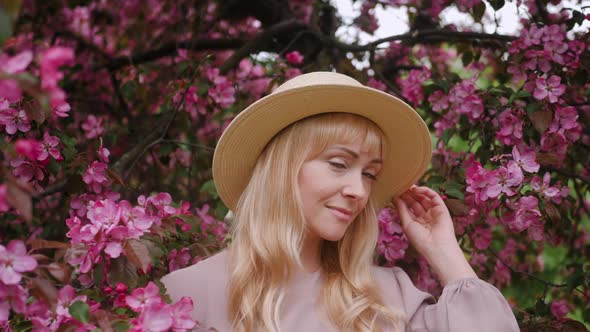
450	264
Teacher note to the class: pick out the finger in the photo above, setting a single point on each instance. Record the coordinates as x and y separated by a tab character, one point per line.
413	204
403	211
433	195
426	201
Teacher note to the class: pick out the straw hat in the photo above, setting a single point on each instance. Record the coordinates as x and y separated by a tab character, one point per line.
408	138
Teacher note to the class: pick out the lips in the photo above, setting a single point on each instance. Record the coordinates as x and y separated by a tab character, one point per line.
341	213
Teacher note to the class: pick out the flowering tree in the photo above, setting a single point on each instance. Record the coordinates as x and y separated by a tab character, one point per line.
109	113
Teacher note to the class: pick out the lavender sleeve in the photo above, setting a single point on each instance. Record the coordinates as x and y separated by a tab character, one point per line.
469	304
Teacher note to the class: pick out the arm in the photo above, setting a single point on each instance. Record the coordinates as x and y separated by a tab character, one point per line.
467	303
427	223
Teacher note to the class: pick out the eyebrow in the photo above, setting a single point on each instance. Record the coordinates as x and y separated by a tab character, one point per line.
356	155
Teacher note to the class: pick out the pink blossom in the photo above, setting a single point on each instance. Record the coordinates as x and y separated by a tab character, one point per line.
93	126
464	99
178	259
103	153
3	201
105	214
12	297
503	179
439	101
376	84
426	281
550	89
13	119
366	21
49	148
544	188
27	170
181	314
95	176
9	89
478	179
554	142
17	63
526	214
292	72
412	85
482	237
28	148
206	219
223	94
560	309
392	242
59	106
65	297
525	161
154	318
510	127
566	122
51	60
142	297
135	219
294	58
14	261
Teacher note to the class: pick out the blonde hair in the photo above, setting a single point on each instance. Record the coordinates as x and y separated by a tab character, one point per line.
269	229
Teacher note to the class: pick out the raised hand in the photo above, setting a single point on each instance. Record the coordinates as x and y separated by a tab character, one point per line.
425	219
427	223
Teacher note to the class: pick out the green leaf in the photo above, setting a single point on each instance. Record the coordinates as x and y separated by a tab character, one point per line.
497	4
209	188
478	11
5	26
467	58
80	311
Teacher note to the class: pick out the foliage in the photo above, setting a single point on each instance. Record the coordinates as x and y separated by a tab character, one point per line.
109	113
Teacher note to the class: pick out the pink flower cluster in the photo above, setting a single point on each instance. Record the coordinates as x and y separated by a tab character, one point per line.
412	85
155	315
14	262
210	224
222	91
294	58
461	100
107	224
367	21
9	88
51	60
392	242
506	180
564	130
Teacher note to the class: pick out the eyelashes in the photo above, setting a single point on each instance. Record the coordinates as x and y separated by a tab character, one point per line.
343	166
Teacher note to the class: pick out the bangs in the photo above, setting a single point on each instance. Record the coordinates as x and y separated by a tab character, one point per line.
324	130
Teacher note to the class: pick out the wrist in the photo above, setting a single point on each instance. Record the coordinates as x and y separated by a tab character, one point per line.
449	264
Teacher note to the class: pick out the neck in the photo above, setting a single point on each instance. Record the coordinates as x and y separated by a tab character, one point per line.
310	253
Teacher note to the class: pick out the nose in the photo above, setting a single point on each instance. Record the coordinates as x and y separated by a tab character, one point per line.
355	187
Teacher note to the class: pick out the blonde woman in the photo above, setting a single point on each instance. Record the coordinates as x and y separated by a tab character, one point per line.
306	169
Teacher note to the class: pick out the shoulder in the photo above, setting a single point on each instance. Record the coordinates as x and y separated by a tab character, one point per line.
195	280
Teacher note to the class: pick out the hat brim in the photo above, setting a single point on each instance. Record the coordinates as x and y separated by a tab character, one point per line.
408	139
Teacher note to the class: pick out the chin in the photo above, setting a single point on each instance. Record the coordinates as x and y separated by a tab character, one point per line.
333	237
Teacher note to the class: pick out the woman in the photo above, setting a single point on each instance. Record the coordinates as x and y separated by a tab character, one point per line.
305	169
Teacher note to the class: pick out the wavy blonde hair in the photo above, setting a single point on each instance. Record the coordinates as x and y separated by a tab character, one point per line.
269	229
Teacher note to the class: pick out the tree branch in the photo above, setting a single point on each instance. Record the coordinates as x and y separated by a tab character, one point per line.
426	36
261	40
171	48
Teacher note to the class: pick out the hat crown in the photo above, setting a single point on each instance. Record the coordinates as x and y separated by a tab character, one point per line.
317	78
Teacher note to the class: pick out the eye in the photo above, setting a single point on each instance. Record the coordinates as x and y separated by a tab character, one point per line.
337	165
370	176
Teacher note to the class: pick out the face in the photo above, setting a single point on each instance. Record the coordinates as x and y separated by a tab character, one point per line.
335	187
